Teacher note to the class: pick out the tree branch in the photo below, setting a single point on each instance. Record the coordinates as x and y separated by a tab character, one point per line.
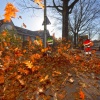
57	7
72	6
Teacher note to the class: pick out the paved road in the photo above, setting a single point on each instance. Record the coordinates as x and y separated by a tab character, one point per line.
98	53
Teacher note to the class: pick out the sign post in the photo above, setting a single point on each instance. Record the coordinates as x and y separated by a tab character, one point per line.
50	41
45	26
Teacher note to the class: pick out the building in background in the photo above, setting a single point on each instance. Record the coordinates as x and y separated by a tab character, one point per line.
24	33
96	45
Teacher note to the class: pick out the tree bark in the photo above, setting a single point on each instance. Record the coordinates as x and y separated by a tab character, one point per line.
75	35
65	14
77	40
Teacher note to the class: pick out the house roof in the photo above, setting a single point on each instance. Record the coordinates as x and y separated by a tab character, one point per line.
26	32
4	25
22	31
1	22
96	41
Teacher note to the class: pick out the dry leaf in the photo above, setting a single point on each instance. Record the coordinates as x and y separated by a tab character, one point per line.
21	82
24	25
0	53
18	77
24	51
10	11
21	70
44	79
39	2
82	95
4	33
1	79
28	64
20	17
57	72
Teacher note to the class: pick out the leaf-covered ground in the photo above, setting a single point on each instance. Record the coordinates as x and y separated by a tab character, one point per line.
29	73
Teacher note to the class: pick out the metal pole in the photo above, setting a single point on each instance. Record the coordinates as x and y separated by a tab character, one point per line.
45	26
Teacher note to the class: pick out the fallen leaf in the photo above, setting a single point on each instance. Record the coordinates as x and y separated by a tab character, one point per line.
82	95
57	72
21	70
44	79
21	82
28	64
1	79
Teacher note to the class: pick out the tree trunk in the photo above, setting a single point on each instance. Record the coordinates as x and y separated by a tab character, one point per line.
65	19
75	35
77	40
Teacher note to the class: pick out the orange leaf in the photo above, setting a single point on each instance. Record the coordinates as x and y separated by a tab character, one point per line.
65	48
21	70
21	82
44	79
44	50
35	56
35	68
68	46
82	95
10	11
5	44
0	53
4	33
77	57
7	58
1	79
18	77
18	54
59	50
28	64
24	51
39	2
57	72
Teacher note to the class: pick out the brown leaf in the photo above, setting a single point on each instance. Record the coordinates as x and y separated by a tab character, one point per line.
1	79
44	79
24	25
57	72
20	17
21	82
21	70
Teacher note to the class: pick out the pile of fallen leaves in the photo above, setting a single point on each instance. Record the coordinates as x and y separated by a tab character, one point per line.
33	73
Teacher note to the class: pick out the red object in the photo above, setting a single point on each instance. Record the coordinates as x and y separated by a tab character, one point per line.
87	42
87	49
87	46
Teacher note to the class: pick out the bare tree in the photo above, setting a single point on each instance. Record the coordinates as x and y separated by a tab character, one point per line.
83	18
64	7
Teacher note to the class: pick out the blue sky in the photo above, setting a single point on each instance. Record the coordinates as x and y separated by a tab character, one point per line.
31	20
